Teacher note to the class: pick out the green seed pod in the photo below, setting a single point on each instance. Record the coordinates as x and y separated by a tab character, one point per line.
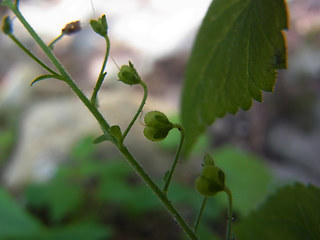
6	25
211	181
157	126
129	75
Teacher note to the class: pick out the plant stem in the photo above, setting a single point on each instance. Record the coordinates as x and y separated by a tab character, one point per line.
103	123
157	191
55	40
35	36
17	3
228	192
30	54
145	95
196	225
101	74
166	186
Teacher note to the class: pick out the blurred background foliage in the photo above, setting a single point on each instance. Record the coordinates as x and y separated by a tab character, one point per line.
91	198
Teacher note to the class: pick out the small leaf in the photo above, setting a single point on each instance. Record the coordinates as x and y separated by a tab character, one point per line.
292	213
116	132
6	25
102	76
101	139
238	48
104	137
43	77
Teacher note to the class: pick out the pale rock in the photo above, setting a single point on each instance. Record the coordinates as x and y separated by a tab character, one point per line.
50	128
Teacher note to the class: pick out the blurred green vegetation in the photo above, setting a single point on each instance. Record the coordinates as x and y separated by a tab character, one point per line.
8	134
91	198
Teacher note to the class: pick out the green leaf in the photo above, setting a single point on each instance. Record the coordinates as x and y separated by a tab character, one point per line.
83	149
60	196
14	222
107	137
236	53
101	139
116	132
6	25
293	213
43	77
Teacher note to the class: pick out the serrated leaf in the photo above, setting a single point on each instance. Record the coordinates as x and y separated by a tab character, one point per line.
236	53
293	213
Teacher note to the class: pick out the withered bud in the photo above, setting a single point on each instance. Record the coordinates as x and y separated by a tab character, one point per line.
71	28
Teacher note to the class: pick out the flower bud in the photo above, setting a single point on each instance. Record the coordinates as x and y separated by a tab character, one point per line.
157	126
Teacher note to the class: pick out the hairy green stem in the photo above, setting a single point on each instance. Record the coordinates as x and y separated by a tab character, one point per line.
228	192
196	225
145	95
35	36
176	158
101	74
157	191
103	123
30	54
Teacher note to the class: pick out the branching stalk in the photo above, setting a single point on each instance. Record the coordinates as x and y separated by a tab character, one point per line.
196	225
30	54
168	180
102	73
228	192
55	40
157	191
145	95
103	123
